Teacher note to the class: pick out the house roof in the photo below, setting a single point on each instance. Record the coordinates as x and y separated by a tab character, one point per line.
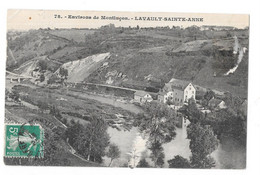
177	84
141	93
244	103
214	102
162	93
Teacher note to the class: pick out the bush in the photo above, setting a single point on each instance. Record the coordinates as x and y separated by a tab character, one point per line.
179	162
143	164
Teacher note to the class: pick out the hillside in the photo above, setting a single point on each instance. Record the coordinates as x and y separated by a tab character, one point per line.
139	58
29	66
80	69
32	44
203	62
75	35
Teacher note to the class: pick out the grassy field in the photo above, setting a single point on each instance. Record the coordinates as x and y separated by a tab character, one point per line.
62	54
74	105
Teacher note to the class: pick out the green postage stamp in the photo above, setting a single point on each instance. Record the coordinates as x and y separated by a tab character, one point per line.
24	140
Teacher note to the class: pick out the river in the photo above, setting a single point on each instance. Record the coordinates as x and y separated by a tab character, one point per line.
133	147
230	155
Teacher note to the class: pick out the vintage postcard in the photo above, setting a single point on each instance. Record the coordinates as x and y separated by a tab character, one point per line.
121	89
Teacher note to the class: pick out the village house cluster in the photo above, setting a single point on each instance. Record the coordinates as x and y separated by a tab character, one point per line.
175	92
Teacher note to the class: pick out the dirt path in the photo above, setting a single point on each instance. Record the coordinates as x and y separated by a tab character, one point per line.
29	105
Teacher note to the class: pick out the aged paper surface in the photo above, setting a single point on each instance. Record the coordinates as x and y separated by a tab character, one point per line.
121	89
31	19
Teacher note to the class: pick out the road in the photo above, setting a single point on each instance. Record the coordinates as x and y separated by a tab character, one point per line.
18	75
105	85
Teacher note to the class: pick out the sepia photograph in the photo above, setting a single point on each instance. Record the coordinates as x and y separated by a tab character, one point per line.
130	90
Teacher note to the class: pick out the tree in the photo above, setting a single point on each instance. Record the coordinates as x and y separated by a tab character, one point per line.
157	154
233	102
15	96
72	121
53	79
72	133
228	123
113	153
42	77
42	105
64	121
192	112
42	65
158	122
204	103
179	162
143	164
203	142
52	150
209	95
202	162
93	139
192	31
63	72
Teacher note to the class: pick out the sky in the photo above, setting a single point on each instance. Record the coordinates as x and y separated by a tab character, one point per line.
35	19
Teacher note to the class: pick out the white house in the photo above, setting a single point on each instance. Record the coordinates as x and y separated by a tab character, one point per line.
177	91
142	97
217	104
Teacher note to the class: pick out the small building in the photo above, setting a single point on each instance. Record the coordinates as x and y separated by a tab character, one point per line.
177	91
217	104
109	80
142	97
162	97
36	73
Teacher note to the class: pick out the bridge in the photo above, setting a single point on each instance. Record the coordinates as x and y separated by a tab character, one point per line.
16	77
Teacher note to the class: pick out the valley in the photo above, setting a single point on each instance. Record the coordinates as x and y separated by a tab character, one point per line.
76	79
